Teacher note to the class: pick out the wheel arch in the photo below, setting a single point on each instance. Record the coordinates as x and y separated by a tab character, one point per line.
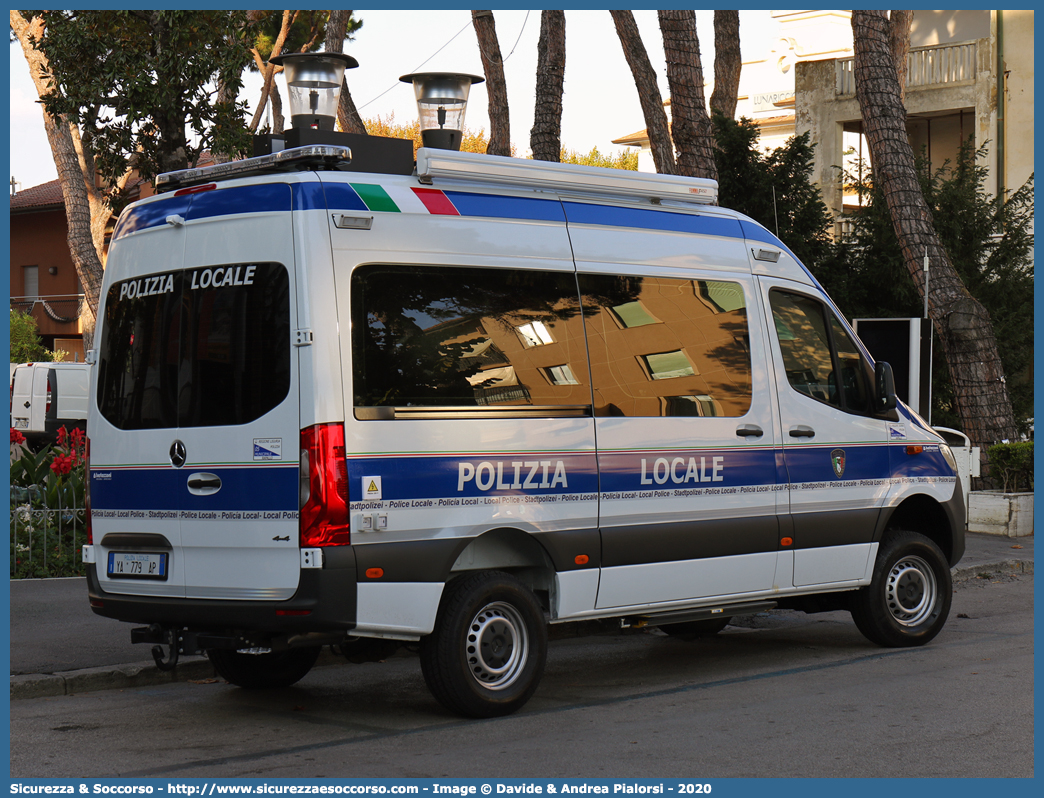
923	514
511	550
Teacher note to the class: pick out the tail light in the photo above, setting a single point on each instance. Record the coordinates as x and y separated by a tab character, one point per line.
324	487
87	489
47	407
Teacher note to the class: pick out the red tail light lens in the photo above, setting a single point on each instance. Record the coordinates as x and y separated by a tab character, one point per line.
47	408
324	487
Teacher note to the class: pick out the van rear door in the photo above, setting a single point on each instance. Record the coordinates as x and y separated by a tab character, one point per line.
196	384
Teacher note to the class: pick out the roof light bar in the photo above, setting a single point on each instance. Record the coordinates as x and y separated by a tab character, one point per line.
316	156
473	167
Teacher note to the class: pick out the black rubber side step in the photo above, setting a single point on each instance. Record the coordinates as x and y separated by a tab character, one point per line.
698	614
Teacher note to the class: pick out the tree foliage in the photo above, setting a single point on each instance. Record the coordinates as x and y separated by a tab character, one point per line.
990	243
134	81
624	159
26	345
472	141
775	188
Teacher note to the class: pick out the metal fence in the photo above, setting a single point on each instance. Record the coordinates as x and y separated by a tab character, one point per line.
45	541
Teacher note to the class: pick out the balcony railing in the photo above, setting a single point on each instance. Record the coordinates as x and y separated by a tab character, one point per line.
926	66
59	308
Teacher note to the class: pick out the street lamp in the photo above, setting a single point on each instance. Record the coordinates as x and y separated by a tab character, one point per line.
442	98
313	82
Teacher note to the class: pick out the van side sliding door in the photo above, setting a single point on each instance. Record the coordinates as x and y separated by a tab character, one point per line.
687	434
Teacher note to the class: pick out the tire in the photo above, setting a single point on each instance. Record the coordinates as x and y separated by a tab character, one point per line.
486	654
909	597
694	630
264	671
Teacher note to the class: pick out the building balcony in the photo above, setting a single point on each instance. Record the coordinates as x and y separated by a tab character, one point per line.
927	67
55	314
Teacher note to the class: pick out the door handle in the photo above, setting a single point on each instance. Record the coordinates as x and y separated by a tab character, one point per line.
801	431
750	431
203	484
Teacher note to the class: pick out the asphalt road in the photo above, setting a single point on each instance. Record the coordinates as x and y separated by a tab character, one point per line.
784	695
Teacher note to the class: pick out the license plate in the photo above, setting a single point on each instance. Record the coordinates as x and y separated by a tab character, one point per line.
133	565
21	423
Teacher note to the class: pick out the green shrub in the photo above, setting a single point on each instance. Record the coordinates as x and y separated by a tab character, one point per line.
1012	464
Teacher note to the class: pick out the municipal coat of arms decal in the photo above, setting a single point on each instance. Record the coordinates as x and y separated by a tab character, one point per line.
837	460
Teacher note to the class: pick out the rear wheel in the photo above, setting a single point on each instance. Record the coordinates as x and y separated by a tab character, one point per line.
908	599
260	671
486	654
694	630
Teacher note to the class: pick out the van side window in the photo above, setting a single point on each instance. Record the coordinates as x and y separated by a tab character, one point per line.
815	351
200	347
456	337
667	347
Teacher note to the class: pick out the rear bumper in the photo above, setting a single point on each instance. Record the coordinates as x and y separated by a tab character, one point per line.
327	595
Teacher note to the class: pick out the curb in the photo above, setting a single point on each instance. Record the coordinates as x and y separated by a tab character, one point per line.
995	567
109	677
121	677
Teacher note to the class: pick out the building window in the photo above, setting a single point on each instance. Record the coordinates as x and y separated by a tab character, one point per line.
31	282
535	334
668	365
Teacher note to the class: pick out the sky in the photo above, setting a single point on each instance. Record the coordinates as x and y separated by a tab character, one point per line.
600	101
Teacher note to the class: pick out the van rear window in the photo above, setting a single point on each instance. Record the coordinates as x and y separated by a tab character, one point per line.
198	347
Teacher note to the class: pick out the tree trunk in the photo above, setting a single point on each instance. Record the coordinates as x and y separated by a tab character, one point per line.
83	201
962	323
269	69
545	139
899	44
690	127
347	114
496	86
727	63
648	91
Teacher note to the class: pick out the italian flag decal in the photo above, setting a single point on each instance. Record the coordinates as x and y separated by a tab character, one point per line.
398	199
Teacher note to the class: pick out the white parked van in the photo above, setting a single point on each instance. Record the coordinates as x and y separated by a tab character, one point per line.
46	397
456	406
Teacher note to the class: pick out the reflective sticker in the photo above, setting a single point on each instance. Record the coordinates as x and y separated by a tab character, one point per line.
268	448
896	432
371	488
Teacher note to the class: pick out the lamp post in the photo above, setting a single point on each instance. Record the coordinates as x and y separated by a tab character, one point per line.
442	99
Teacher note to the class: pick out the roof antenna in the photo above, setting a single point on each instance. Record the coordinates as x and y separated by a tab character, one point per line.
774	210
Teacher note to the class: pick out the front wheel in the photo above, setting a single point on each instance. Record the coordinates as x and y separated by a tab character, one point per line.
267	670
909	596
486	654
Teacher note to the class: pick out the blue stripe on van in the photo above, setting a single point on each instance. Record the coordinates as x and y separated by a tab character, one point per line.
242	488
647	219
468	476
339	196
262	198
497	206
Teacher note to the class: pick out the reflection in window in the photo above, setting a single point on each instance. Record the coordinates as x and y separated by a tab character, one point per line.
633	314
535	334
561	375
805	344
692	406
674	348
427	336
668	365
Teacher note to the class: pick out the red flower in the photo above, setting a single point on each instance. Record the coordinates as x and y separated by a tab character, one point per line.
17	437
63	464
62	433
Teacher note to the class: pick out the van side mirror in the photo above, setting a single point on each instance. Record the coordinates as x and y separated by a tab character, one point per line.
884	386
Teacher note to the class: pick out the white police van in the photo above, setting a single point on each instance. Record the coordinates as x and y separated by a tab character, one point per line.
457	405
